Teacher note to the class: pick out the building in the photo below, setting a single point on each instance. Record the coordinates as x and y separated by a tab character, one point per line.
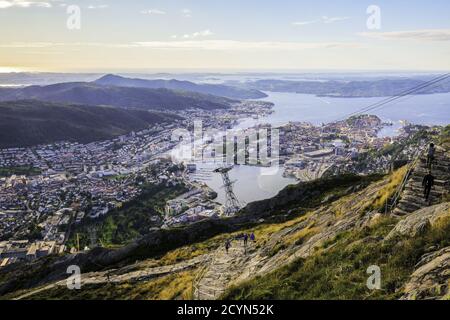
191	167
320	153
175	207
16	250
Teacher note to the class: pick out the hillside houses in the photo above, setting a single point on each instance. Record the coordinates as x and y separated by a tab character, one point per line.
23	250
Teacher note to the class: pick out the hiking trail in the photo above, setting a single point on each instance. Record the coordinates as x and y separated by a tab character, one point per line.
223	270
412	197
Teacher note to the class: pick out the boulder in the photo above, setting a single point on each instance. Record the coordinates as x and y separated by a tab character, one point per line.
431	278
418	221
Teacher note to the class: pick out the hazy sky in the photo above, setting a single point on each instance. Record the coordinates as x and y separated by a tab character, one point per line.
120	35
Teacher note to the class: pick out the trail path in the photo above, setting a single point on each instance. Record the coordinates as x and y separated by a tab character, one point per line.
412	197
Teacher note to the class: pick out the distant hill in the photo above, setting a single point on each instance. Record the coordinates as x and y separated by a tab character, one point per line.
214	89
123	97
32	122
372	88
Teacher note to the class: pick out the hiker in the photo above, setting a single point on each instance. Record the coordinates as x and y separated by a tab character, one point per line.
227	245
427	184
430	155
245	239
252	237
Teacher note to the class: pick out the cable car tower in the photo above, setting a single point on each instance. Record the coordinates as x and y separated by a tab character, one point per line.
232	204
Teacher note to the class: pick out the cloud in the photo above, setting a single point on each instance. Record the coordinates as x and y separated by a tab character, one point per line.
426	35
241	45
304	23
28	45
100	6
153	11
214	45
323	19
187	13
204	33
5	4
326	19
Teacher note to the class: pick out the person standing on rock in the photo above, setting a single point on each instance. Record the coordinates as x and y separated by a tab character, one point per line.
430	155
245	239
252	237
427	183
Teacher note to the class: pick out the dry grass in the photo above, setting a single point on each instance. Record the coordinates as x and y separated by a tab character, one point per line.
176	286
302	235
388	191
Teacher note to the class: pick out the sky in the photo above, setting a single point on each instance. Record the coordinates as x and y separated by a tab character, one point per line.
238	35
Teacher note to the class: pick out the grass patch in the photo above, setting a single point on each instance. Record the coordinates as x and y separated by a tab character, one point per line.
20	171
171	287
340	272
302	235
444	138
395	179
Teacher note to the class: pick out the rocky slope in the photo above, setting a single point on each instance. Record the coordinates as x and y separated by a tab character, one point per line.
431	279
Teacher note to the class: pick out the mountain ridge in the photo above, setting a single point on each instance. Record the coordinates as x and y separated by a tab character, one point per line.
349	89
231	92
89	93
32	122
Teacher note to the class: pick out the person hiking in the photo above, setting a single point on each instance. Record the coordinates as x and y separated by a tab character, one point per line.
227	245
245	239
430	155
252	237
427	184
